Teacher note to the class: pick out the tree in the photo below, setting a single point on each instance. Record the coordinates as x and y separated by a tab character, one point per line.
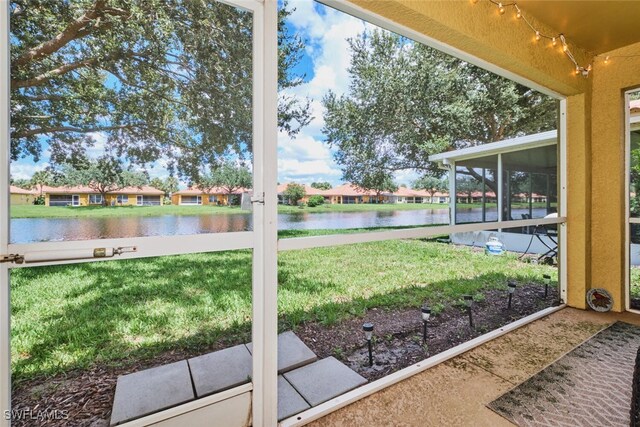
20	182
468	186
380	182
155	78
407	101
430	184
229	176
103	175
294	193
43	177
169	185
323	185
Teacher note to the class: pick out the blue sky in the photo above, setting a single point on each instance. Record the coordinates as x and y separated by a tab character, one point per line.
305	158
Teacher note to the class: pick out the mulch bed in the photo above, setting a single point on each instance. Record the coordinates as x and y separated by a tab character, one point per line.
85	397
398	333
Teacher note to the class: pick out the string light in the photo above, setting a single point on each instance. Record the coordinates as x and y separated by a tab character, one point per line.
606	60
538	36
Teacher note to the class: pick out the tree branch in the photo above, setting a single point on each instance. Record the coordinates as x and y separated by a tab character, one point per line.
70	33
43	78
54	129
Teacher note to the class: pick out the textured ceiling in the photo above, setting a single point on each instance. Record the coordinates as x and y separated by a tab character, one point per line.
597	26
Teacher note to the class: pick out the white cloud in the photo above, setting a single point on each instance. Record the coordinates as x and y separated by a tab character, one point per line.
406	177
99	144
327	44
307	157
25	170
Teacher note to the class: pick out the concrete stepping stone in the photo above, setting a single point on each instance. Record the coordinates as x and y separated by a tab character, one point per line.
292	352
152	390
323	380
221	370
289	400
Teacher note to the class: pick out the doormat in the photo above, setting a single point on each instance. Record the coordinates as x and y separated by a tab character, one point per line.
590	386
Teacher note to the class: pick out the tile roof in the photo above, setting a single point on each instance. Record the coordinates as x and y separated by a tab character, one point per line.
348	189
17	190
195	191
307	188
145	189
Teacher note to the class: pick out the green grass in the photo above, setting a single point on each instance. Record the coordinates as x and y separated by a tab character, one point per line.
33	211
635	282
74	316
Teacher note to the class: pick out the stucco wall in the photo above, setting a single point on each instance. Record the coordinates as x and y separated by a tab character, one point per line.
607	156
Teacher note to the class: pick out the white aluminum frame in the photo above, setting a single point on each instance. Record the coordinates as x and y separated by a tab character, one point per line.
627	203
261	239
5	293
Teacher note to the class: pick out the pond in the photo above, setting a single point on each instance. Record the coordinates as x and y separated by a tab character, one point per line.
27	230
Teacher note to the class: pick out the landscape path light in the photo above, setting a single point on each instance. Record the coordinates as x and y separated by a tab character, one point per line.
426	313
547	280
468	301
511	286
368	334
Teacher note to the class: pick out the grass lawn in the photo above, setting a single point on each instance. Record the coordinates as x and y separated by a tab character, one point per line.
73	316
33	211
635	282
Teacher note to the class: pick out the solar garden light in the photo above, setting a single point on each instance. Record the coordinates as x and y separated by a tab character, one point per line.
426	313
368	334
512	288
468	301
547	279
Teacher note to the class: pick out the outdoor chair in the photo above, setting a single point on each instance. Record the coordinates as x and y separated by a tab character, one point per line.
550	231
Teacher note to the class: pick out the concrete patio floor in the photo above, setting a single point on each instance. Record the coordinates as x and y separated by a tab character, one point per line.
456	392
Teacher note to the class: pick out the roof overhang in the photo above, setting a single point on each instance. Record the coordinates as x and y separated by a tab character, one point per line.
535	140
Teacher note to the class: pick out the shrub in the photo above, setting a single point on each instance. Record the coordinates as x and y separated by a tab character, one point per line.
39	200
315	201
294	193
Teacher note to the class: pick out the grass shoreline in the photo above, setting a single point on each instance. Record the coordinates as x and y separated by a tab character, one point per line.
33	211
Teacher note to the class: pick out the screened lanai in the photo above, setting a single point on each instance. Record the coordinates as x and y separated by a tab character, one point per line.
517	177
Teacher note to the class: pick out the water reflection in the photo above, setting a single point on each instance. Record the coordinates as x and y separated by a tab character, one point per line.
26	230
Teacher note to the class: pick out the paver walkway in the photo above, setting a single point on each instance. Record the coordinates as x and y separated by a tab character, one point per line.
306	381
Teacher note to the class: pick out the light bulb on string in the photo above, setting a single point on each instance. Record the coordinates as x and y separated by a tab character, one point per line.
553	42
501	8
538	36
565	48
518	13
606	60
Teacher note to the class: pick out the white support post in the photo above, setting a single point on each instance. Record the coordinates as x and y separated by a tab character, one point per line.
5	300
500	183
562	200
452	193
265	254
